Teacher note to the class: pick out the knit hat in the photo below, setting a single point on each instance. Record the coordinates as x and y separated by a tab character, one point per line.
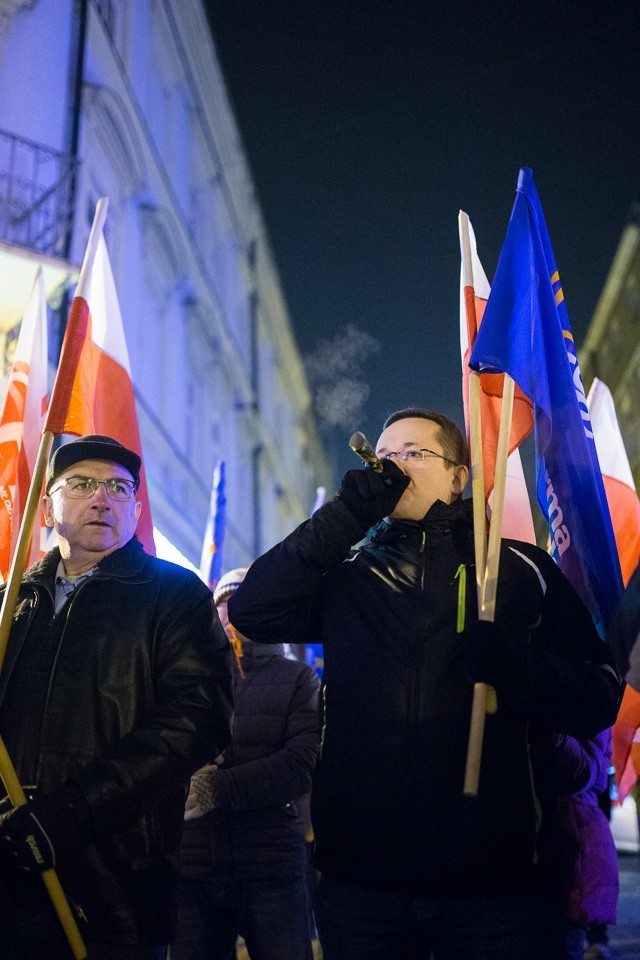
228	584
93	447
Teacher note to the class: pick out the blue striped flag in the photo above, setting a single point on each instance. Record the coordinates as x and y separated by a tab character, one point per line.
526	333
213	542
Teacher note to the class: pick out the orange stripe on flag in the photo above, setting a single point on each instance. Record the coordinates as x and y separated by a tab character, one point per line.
624	508
623	734
21	420
619	485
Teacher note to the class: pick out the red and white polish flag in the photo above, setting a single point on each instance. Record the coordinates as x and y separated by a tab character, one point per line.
624	505
21	420
517	522
96	395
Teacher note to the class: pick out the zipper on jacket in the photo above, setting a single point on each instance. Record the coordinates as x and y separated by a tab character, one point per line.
6	676
423	551
55	664
323	729
461	577
94	578
537	806
415	687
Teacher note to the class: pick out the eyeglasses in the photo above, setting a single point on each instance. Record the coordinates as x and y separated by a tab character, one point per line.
82	488
414	455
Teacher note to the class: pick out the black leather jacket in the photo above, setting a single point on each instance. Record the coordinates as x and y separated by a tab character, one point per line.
387	803
139	697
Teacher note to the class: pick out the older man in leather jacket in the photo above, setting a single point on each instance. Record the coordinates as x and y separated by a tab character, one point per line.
408	863
115	688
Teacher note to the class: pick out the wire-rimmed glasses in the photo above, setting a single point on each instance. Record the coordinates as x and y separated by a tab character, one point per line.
82	488
414	455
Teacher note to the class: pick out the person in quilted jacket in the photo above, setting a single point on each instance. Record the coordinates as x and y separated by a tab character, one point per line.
244	857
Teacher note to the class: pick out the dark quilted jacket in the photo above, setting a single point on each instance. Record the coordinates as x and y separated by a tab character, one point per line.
257	830
586	856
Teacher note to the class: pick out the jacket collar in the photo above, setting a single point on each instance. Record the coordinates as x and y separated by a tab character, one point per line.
126	562
258	652
440	515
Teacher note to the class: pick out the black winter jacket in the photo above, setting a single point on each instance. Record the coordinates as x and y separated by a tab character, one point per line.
387	802
139	696
257	830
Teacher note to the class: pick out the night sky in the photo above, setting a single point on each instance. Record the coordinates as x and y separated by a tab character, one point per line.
368	124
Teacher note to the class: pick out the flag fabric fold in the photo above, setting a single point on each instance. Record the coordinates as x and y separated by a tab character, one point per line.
622	497
624	507
517	522
526	333
213	541
94	382
21	421
626	742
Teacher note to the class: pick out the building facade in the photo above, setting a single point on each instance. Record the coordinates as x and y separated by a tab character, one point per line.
611	348
126	100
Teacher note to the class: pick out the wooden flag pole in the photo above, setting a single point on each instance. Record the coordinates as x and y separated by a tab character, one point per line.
475	420
19	558
49	877
490	590
483	695
58	406
484	698
477	483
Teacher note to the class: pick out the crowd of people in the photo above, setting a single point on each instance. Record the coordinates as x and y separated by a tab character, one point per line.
168	748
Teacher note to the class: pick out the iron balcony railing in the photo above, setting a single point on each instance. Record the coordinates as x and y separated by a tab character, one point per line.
36	203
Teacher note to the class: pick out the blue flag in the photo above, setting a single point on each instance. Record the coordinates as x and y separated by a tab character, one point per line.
526	333
211	559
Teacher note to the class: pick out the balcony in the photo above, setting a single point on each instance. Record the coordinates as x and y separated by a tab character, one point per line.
36	203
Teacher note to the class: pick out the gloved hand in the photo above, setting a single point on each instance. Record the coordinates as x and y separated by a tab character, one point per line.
492	657
370	496
202	793
34	835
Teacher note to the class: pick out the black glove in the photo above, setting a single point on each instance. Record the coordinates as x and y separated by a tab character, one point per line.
370	496
34	835
493	657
